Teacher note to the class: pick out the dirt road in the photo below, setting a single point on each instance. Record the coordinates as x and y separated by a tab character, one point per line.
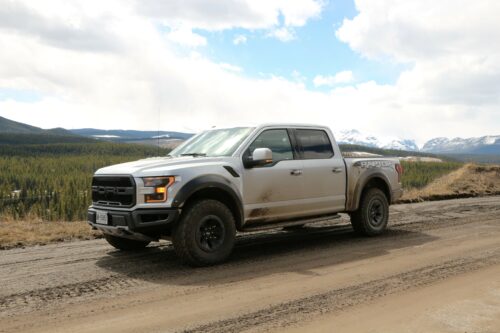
437	269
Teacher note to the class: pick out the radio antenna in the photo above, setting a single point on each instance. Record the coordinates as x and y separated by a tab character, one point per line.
158	137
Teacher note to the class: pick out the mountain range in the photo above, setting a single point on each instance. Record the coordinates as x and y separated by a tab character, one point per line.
10	126
485	145
130	135
354	137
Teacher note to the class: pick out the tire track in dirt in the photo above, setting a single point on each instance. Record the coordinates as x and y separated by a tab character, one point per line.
295	311
38	298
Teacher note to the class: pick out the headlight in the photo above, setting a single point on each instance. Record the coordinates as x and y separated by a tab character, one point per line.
159	186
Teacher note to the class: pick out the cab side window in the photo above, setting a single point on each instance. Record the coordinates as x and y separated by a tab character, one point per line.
277	140
315	144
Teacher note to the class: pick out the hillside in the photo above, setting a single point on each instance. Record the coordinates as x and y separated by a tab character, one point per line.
470	180
41	138
15	133
483	149
131	135
10	126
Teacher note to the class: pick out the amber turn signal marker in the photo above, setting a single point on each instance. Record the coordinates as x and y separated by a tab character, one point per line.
160	184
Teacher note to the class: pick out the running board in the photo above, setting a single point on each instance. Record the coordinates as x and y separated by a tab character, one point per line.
257	226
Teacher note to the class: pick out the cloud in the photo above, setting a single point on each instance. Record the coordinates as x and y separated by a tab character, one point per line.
240	39
227	14
330	81
448	44
231	68
454	62
278	17
410	31
132	70
185	36
63	28
283	34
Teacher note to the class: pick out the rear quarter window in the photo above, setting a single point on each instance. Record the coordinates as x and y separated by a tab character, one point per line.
315	144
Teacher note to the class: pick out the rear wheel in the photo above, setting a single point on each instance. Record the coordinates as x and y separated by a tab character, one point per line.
125	244
205	234
373	213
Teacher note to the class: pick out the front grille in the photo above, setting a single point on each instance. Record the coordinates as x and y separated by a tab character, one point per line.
116	191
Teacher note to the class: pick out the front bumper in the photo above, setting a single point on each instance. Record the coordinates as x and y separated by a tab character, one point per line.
140	224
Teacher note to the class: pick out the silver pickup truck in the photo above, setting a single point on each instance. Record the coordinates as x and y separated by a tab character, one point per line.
240	179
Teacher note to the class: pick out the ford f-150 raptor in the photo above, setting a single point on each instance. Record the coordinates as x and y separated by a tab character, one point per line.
224	181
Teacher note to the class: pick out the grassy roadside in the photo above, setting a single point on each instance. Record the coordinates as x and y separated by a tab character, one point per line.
419	174
469	180
36	232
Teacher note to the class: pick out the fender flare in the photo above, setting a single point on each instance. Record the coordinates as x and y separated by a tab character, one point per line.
210	182
361	185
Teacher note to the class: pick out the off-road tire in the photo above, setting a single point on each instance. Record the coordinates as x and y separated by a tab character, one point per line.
205	234
373	213
125	244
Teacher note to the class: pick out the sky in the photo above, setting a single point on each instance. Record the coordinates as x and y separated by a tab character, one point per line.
390	68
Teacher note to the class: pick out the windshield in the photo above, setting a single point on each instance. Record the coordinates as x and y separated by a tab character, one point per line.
217	142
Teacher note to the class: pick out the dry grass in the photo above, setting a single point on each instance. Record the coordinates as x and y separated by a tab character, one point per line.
36	232
469	181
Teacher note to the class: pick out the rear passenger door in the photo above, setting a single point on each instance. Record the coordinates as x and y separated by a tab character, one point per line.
324	174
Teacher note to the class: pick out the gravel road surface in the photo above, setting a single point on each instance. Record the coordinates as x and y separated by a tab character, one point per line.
436	269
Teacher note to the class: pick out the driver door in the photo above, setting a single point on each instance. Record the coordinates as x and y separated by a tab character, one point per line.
273	191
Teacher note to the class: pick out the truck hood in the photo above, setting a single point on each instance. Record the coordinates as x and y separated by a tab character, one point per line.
157	166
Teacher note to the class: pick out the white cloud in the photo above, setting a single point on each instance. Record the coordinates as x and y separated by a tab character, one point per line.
450	45
229	67
216	15
122	76
409	31
185	36
228	14
330	81
240	39
283	34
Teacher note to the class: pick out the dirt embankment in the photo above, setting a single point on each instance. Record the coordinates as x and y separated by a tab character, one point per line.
471	180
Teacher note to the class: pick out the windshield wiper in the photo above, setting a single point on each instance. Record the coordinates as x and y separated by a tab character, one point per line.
194	154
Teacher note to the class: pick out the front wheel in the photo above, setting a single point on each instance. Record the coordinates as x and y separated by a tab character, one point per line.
373	213
125	244
205	234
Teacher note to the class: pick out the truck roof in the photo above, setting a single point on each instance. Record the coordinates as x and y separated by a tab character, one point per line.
261	125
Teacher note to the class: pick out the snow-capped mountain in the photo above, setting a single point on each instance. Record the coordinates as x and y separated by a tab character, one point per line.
489	144
355	137
485	145
401	144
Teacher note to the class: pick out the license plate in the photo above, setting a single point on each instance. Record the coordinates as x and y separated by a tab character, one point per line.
101	217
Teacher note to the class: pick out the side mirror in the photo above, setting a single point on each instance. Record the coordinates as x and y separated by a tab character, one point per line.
260	156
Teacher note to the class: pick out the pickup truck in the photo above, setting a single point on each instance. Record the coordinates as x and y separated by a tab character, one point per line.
224	181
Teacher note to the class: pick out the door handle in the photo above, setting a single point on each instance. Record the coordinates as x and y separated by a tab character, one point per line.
296	172
337	170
